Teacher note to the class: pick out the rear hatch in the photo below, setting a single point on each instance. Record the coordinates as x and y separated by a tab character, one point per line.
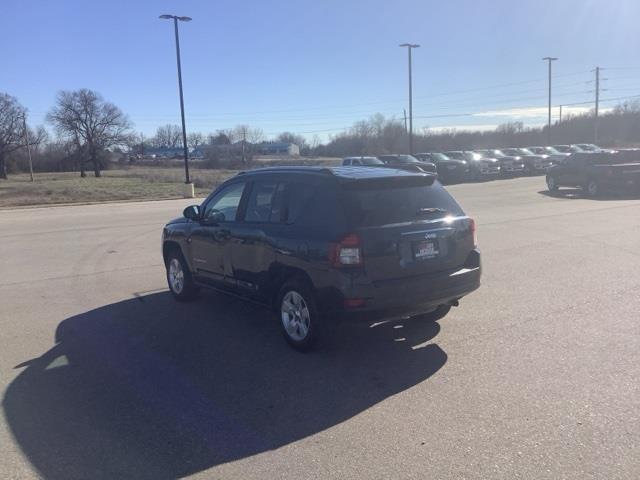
407	226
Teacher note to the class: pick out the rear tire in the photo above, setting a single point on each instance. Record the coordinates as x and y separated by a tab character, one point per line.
179	277
299	319
435	315
552	186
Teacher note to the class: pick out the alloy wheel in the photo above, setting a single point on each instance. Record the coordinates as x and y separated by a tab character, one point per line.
295	316
176	276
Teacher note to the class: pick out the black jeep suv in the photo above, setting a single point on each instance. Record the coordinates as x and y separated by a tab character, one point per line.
321	245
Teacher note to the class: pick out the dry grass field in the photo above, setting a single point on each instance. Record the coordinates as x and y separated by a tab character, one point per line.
137	183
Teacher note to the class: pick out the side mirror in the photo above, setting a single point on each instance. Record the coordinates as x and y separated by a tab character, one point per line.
192	212
214	217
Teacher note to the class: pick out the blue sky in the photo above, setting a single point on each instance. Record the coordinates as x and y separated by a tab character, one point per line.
315	67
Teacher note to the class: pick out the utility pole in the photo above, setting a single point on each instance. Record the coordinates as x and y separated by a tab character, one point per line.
405	119
244	140
184	128
549	60
595	123
26	142
410	47
560	120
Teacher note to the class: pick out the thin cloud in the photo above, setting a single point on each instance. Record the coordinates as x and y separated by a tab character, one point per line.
536	112
484	127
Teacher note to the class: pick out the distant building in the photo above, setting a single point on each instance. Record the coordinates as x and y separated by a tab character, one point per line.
278	148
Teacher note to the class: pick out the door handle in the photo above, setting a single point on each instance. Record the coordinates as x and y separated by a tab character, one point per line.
222	234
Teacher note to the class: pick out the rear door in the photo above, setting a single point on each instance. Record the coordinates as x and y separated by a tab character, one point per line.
407	227
252	239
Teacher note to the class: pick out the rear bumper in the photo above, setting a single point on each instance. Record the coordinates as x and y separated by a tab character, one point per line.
408	296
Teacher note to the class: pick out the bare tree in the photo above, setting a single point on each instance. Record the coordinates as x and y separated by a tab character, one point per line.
195	139
11	129
219	138
230	133
248	134
240	132
255	135
94	124
288	137
168	136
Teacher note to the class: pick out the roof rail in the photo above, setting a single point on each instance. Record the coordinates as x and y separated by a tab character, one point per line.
289	168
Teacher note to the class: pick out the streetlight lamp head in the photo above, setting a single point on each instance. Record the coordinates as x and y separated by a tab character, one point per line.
185	19
550	58
166	17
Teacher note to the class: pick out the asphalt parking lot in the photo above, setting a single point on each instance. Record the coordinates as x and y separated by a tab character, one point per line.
536	375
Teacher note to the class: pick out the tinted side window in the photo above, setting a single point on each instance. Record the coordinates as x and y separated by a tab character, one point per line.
298	195
260	201
277	205
322	213
226	201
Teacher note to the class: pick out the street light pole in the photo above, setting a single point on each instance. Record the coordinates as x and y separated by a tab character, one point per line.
409	47
184	128
549	60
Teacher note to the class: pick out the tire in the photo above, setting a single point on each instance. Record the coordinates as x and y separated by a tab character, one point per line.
552	186
435	315
298	316
179	277
592	188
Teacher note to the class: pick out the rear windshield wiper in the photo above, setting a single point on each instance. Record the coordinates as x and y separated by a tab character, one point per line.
426	210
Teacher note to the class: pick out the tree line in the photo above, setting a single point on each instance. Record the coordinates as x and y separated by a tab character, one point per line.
619	127
88	129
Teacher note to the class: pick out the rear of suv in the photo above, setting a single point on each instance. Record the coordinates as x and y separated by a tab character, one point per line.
324	245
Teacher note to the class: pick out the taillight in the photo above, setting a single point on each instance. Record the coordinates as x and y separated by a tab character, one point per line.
347	252
472	226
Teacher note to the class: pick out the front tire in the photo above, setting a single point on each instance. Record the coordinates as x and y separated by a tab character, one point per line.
179	277
592	188
552	186
298	315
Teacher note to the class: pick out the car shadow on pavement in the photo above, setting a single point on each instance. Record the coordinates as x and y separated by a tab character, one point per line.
578	193
149	388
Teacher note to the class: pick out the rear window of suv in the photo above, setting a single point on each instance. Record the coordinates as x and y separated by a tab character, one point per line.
388	204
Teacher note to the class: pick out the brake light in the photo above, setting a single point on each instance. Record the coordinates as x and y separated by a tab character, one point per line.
472	225
353	302
347	252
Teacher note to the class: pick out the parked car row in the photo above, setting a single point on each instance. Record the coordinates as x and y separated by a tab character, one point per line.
477	165
400	162
597	172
